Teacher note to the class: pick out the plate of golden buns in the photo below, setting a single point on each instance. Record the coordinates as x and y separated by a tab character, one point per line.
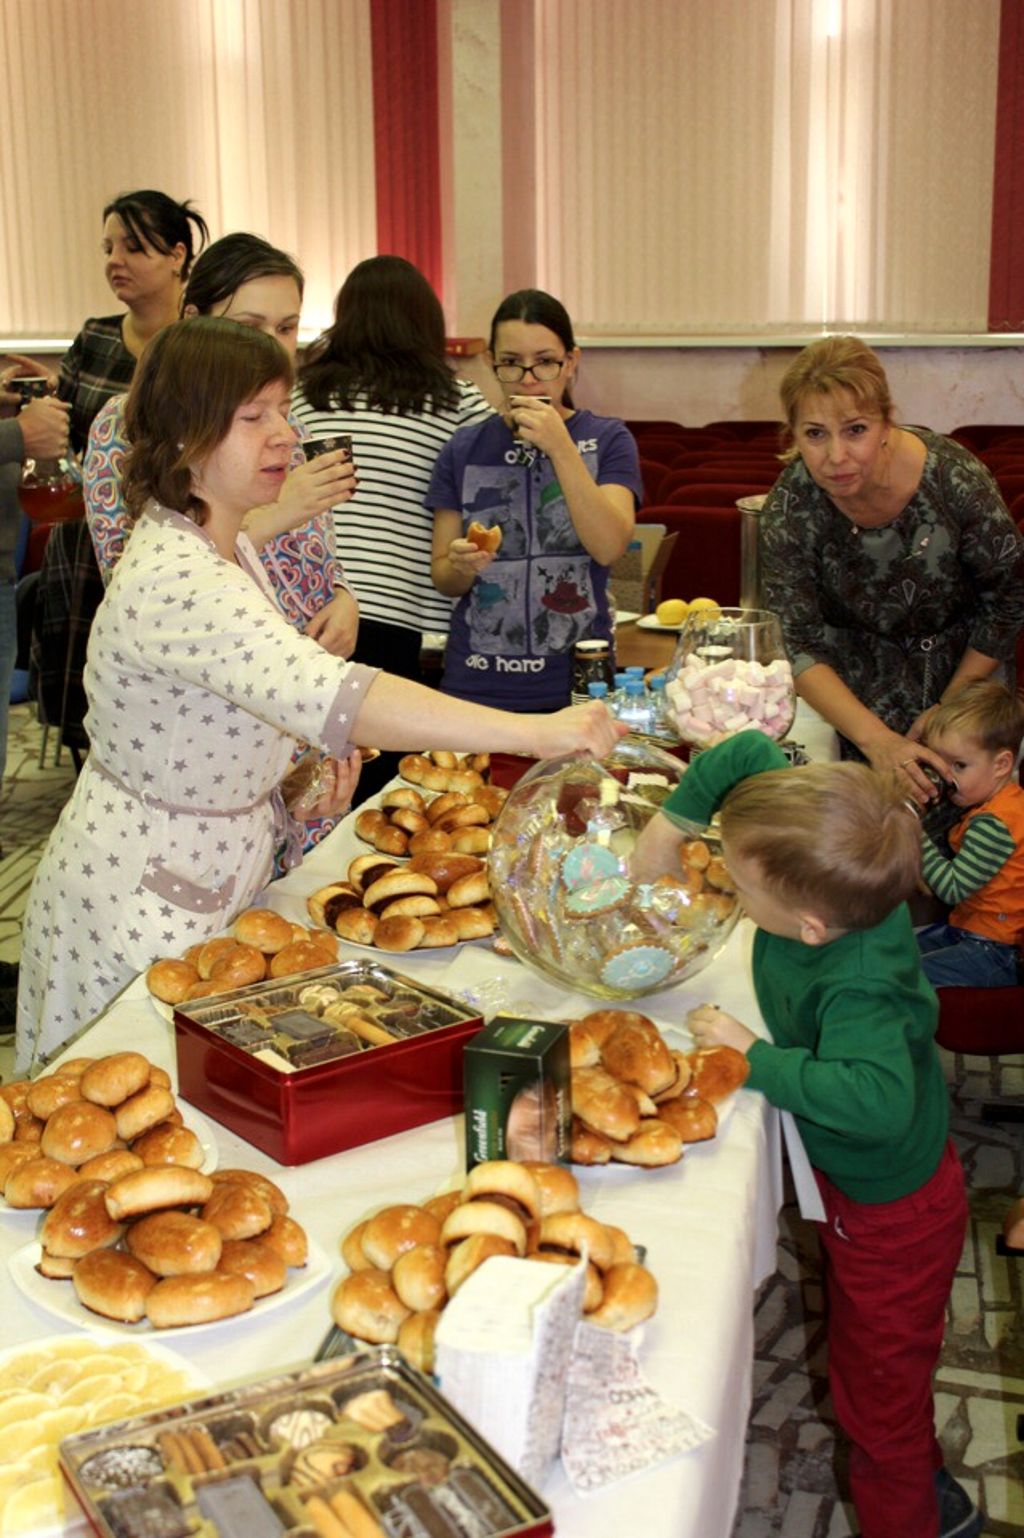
407	1260
401	821
93	1119
54	1388
261	944
442	770
429	902
169	1247
636	1100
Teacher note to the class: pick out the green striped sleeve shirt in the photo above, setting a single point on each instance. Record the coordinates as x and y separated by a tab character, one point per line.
986	847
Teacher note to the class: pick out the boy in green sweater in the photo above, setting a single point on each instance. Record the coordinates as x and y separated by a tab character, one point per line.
823	858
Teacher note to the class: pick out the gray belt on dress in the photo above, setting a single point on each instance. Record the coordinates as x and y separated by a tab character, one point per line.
286	831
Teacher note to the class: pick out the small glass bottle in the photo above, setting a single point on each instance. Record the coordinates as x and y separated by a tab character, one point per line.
635	710
659	720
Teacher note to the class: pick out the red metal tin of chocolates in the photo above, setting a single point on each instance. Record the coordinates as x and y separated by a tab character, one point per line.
311	1065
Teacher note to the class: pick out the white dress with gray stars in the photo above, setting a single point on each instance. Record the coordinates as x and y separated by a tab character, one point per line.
198	689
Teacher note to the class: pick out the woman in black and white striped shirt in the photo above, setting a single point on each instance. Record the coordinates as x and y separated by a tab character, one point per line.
380	374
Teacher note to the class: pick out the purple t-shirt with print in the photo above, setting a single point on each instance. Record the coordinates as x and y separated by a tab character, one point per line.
512	635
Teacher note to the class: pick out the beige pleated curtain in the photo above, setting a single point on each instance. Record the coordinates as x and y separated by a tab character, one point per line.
703	166
260	111
760	165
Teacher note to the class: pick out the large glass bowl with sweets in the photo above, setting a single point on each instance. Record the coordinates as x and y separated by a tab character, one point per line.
585	897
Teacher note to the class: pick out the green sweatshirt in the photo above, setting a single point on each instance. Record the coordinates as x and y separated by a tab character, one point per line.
853	1023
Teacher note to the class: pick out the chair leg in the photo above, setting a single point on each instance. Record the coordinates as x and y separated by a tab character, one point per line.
42	748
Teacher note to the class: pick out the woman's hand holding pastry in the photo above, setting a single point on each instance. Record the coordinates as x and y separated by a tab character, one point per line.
467	558
586	728
712	1027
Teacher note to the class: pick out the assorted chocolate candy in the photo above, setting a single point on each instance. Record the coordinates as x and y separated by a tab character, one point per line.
342	1010
361	1445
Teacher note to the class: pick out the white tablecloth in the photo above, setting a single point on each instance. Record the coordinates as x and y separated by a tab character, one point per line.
709	1223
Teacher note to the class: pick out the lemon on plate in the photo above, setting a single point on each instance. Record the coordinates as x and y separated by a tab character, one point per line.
672	611
706	606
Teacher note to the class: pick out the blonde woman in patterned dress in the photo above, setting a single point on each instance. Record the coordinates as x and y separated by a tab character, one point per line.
889	557
198	690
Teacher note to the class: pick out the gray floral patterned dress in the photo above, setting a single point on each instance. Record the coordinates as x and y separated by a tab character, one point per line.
893	609
198	688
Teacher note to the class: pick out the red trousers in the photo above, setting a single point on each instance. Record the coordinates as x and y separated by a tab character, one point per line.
888	1273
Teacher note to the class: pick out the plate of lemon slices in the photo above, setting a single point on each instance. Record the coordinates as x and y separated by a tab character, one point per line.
63	1384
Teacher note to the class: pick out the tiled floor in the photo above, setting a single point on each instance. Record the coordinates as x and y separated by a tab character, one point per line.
790	1488
29	804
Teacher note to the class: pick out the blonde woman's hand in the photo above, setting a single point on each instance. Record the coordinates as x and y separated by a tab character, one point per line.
904	756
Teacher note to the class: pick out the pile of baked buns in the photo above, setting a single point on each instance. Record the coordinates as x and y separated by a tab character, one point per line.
637	1101
404	822
407	1260
443	770
132	1222
433	899
261	944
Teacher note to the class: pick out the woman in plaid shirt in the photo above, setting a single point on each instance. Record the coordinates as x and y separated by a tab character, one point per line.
149	242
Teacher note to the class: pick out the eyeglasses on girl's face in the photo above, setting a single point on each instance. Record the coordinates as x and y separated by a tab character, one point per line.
544	370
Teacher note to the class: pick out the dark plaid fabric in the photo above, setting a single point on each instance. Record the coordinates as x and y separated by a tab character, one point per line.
96	366
67	596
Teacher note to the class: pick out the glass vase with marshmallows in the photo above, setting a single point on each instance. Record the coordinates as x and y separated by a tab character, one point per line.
729	673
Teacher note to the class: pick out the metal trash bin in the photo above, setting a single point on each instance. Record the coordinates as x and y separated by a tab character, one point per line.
750	554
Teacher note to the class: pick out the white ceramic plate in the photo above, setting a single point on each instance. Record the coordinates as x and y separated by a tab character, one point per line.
51	1516
652	622
58	1297
28	1216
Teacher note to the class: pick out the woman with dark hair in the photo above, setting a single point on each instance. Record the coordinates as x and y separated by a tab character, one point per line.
562	485
889	557
380	375
198	689
149	242
245	279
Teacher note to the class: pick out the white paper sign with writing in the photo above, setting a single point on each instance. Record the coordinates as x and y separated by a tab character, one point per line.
616	1424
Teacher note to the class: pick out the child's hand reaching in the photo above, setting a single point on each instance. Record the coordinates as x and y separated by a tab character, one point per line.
712	1027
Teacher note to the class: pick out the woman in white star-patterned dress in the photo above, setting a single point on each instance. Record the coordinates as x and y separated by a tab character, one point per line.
198	690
